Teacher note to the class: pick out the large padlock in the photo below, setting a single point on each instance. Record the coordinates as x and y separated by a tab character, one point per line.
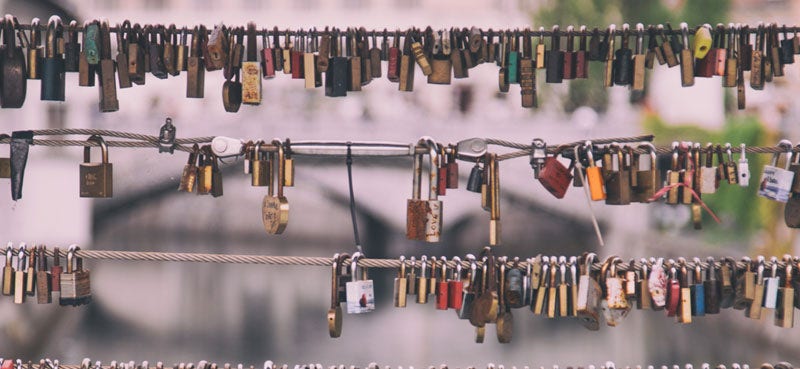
96	179
12	63
53	84
555	177
424	217
776	183
712	289
75	285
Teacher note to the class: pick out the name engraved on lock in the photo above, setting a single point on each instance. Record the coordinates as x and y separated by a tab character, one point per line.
274	214
433	219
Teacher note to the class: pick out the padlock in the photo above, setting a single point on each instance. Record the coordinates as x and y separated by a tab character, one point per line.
442	287
335	311
727	282
615	304
673	291
618	189
455	286
697	289
55	271
648	180
30	271
589	295
708	173
260	175
712	288
538	156
674	177
72	48
776	183
360	291
771	285
744	169
784	311
20	275
424	217
400	284
107	68
156	52
486	305
555	177
514	290
422	281
657	283
275	207
215	50
195	65
96	179
594	176
53	83
563	293
14	82
644	301
505	319
43	278
608	56
754	309
705	52
730	166
75	284
468	294
136	55
123	70
173	47
622	64
8	272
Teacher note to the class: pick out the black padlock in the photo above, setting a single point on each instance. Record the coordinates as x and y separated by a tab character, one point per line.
156	53
475	179
554	59
12	59
53	85
623	68
72	49
336	76
594	53
787	48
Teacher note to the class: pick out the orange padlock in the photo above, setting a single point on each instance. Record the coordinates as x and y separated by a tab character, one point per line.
594	177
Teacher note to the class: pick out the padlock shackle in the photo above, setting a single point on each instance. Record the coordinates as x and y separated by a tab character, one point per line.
54	27
433	153
22	257
354	266
9	253
70	257
644	266
103	148
401	272
9	26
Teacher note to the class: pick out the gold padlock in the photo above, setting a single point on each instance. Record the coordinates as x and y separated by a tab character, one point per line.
96	179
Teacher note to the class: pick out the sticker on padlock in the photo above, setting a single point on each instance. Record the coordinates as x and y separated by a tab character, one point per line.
360	292
776	183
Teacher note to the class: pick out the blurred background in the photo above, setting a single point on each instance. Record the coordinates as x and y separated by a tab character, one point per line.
176	312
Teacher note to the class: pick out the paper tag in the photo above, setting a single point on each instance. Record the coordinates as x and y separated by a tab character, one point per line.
360	297
775	183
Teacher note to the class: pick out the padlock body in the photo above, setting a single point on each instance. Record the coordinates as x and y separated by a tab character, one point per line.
96	180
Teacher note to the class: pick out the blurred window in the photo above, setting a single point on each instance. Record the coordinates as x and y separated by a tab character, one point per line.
154	4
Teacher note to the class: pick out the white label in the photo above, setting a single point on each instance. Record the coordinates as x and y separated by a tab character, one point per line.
360	297
775	183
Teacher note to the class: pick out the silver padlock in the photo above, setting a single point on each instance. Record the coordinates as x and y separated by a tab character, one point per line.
743	169
771	284
360	291
776	183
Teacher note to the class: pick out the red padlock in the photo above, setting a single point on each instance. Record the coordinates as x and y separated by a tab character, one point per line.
442	288
455	287
673	291
555	177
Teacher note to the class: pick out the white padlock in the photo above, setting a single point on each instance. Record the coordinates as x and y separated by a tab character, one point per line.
776	183
743	169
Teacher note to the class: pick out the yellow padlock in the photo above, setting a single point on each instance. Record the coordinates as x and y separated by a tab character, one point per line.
702	41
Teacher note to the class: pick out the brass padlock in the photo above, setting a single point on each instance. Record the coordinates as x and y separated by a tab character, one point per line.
96	179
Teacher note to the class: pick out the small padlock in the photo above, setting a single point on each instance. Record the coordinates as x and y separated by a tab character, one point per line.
20	275
753	310
335	311
96	179
53	70
673	292
400	284
784	312
43	278
644	301
468	294
708	173
776	183
771	285
75	284
455	286
442	287
618	189
698	297
744	169
589	295
712	288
